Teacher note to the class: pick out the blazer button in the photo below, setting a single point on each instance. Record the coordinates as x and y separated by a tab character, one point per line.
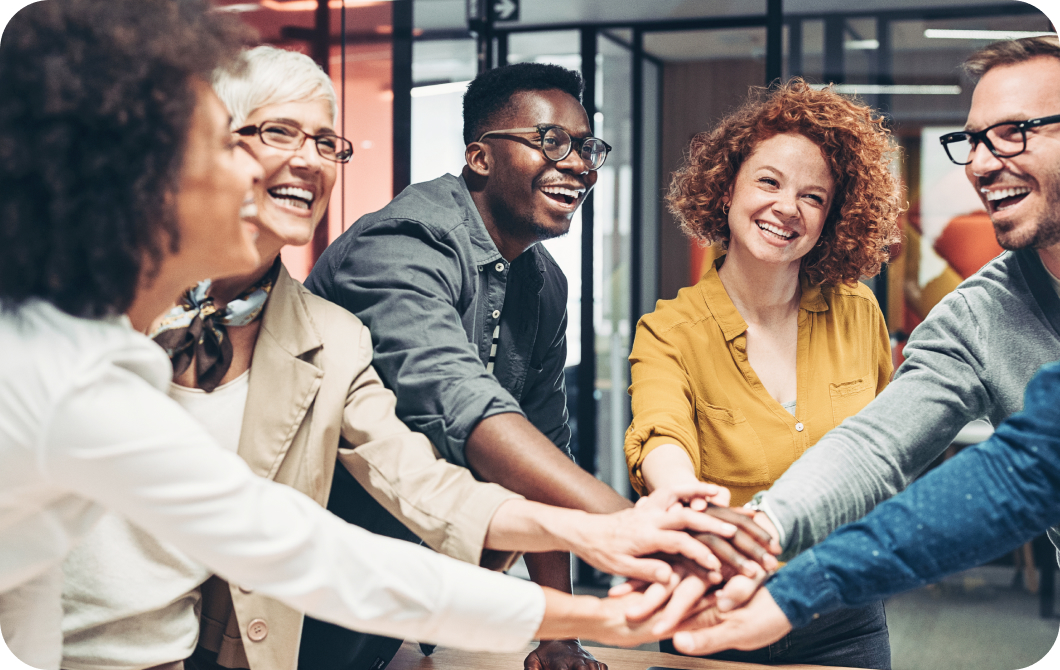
799	426
257	630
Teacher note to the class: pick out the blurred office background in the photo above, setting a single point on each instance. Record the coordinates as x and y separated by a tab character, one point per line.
657	72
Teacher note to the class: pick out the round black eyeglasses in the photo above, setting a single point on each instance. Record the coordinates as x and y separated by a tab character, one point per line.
1004	140
286	136
557	143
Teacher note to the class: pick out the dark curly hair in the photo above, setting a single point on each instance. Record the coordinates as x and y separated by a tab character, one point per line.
488	95
863	220
96	99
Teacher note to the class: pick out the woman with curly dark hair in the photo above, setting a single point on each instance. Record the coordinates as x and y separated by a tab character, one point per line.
123	185
778	342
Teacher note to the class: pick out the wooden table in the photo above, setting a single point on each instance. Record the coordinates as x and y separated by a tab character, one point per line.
409	657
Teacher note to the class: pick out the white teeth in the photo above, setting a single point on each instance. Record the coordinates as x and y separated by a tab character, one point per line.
562	190
292	191
780	232
249	210
291	202
992	195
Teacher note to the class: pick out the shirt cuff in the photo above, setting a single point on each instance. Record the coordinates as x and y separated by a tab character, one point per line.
803	591
466	538
763	506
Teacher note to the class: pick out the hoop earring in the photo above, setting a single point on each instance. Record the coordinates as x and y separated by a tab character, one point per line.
725	208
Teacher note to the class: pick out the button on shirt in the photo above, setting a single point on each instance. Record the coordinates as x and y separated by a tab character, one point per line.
426	278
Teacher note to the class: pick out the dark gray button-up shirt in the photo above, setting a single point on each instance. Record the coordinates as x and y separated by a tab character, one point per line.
425	277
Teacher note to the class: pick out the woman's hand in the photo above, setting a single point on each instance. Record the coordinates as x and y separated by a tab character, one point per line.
600	619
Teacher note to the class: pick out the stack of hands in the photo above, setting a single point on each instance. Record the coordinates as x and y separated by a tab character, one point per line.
692	563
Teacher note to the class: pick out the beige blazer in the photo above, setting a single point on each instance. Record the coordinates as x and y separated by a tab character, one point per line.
314	396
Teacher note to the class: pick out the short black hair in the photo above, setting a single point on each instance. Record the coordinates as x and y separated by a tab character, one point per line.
490	93
96	100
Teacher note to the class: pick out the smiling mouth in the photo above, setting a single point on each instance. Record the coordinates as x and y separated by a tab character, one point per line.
779	233
292	196
563	194
1003	198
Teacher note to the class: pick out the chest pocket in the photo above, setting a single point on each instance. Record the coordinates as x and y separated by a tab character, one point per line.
849	398
731	451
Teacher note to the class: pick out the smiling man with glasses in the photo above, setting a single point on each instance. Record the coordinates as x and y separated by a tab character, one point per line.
468	312
971	358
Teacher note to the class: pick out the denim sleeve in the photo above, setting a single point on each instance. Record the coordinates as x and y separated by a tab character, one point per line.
545	398
987	500
405	283
876	453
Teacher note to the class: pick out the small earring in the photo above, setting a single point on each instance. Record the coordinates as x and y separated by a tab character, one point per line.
725	208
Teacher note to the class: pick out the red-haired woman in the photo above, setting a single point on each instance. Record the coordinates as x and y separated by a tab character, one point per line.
740	374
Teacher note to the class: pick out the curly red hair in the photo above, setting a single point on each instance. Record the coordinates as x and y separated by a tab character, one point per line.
862	223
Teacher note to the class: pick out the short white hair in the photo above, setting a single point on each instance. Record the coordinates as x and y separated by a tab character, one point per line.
271	76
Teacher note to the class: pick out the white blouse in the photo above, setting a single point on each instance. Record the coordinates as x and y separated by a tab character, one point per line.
85	425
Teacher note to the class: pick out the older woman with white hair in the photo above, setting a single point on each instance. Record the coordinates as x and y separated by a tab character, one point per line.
284	379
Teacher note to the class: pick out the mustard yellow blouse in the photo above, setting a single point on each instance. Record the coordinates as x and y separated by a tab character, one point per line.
692	385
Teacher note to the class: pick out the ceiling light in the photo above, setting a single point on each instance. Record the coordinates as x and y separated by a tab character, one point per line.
311	5
892	89
861	45
981	34
440	89
238	9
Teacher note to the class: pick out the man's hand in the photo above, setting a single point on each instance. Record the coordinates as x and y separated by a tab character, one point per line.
614	542
749	542
561	655
754	626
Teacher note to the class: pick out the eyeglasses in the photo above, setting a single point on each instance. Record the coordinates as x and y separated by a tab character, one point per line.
557	143
286	136
1004	140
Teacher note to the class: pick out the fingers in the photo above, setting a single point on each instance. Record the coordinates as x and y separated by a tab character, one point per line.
627	587
665	497
728	554
685	597
737	591
643	569
654	597
688	519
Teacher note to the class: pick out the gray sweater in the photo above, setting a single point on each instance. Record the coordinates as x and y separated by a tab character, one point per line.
971	358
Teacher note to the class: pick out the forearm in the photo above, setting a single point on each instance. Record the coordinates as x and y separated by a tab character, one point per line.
667	466
524	525
987	500
506	449
875	454
567	617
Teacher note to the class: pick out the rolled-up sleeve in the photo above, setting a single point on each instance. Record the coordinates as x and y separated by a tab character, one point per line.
406	282
441	503
663	404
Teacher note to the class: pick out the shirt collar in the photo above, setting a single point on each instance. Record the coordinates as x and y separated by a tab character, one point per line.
725	313
485	251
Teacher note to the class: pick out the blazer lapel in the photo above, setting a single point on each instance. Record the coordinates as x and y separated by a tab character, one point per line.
282	384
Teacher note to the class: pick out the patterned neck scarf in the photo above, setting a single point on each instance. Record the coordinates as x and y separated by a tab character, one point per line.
196	329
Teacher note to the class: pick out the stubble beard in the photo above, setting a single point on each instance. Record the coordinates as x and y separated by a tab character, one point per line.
1042	234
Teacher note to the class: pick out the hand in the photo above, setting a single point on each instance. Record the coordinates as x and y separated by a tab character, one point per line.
683	596
614	543
750	541
754	626
561	655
